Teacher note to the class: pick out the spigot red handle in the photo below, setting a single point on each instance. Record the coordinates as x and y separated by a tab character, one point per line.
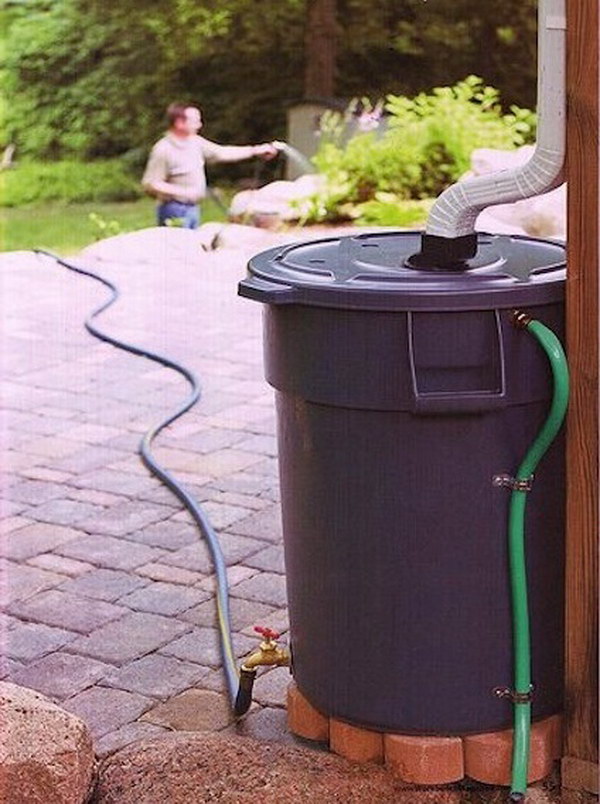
267	633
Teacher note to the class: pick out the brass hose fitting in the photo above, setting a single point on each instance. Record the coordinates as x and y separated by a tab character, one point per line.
268	654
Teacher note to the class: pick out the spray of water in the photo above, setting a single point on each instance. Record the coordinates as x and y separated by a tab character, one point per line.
295	156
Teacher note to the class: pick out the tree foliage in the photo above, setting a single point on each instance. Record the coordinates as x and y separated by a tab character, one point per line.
92	77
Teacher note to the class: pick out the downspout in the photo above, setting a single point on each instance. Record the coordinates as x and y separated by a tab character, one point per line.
450	239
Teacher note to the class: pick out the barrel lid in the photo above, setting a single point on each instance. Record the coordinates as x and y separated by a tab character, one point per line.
372	272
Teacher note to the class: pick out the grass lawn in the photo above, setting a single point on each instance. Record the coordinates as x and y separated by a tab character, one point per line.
66	228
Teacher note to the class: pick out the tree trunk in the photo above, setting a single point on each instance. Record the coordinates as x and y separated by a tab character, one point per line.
320	49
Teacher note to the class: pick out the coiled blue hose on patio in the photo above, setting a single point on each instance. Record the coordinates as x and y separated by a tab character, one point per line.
240	700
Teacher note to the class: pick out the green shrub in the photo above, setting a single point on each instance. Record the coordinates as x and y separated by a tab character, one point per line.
426	147
68	181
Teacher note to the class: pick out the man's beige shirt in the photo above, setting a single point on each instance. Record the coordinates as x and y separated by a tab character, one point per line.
181	162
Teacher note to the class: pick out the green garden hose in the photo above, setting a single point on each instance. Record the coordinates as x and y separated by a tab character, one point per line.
516	538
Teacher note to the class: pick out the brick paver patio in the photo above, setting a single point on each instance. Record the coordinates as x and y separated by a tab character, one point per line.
106	589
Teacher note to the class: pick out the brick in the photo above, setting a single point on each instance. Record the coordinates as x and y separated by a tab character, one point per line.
105	710
209	440
265	525
203	646
129	638
193	710
35	491
104	584
266	724
127	734
50	447
424	760
266	587
126	517
303	719
270	687
64	566
243	614
41	473
106	551
355	744
241	483
11	523
61	675
19	582
64	610
197	557
278	620
164	598
27	641
156	676
163	572
86	459
269	559
262	444
39	537
168	534
488	757
235	575
224	462
112	482
91	433
65	512
222	515
95	497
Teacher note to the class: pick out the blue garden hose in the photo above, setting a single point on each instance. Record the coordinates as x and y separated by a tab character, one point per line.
240	699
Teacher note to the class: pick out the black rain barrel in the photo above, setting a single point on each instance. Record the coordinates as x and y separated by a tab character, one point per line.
400	394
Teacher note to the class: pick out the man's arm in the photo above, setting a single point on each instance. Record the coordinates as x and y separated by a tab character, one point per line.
154	180
213	152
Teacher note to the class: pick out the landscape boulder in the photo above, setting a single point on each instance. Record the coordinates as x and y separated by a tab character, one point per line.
46	754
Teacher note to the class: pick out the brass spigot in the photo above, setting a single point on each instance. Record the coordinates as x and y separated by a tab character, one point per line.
269	654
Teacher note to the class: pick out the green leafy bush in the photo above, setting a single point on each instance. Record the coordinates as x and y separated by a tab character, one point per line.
69	181
426	147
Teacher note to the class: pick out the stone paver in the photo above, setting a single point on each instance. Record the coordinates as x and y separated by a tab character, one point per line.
164	598
65	610
126	639
105	709
27	641
202	646
107	551
156	676
61	675
105	583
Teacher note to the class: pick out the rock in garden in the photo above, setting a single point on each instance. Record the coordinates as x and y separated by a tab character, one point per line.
275	202
184	768
46	754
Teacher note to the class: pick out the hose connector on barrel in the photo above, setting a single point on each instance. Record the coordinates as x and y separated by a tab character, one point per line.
268	654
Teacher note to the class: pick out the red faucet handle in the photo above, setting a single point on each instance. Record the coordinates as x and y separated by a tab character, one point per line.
267	633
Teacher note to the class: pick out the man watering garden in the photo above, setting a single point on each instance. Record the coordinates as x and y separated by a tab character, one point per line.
175	172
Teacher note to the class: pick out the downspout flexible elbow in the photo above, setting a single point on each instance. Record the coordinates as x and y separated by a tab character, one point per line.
450	230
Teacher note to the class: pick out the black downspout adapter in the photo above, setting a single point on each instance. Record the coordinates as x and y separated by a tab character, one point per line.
444	253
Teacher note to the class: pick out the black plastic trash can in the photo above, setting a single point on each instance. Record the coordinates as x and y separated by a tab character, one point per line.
401	395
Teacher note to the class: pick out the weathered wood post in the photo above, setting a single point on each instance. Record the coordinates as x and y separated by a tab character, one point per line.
580	765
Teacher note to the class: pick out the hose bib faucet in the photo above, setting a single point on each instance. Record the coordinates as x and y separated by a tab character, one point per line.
268	654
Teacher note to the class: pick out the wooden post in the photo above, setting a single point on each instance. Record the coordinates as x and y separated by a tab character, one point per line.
579	767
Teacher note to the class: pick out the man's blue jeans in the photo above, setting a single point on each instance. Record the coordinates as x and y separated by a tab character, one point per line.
185	215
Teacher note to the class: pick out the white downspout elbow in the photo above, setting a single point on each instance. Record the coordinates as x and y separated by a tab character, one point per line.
456	210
